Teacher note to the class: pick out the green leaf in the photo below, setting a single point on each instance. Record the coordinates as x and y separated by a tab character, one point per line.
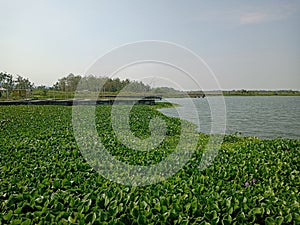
16	221
106	200
90	218
26	222
270	221
289	218
204	223
279	220
71	220
18	210
255	211
296	217
8	215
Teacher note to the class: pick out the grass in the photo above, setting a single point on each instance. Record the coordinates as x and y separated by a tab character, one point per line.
45	179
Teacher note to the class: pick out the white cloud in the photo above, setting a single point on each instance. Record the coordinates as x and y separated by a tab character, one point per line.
250	18
275	12
250	13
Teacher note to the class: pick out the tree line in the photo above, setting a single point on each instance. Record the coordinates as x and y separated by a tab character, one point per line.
70	83
10	82
65	87
93	83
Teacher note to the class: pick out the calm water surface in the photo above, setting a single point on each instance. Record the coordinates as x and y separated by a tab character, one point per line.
264	117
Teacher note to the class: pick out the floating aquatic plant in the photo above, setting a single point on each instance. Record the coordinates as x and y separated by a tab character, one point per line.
45	180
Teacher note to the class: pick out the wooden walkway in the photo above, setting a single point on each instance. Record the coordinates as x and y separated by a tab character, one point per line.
145	101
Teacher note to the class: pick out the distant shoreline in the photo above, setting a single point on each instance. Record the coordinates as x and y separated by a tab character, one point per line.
247	93
37	94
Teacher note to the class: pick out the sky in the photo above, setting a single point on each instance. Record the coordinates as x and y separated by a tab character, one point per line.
247	44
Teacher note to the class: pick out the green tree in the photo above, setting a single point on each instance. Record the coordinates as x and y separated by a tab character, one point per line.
22	83
68	83
6	81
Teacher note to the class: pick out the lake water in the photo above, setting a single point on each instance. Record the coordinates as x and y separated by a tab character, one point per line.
261	116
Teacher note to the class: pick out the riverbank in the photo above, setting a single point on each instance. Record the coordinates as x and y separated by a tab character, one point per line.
146	101
37	94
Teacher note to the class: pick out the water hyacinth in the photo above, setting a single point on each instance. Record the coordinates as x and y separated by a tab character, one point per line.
254	180
68	190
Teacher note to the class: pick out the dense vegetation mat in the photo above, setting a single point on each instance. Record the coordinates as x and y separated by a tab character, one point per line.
44	179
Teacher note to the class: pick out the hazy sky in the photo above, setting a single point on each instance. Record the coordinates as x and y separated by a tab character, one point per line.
248	44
